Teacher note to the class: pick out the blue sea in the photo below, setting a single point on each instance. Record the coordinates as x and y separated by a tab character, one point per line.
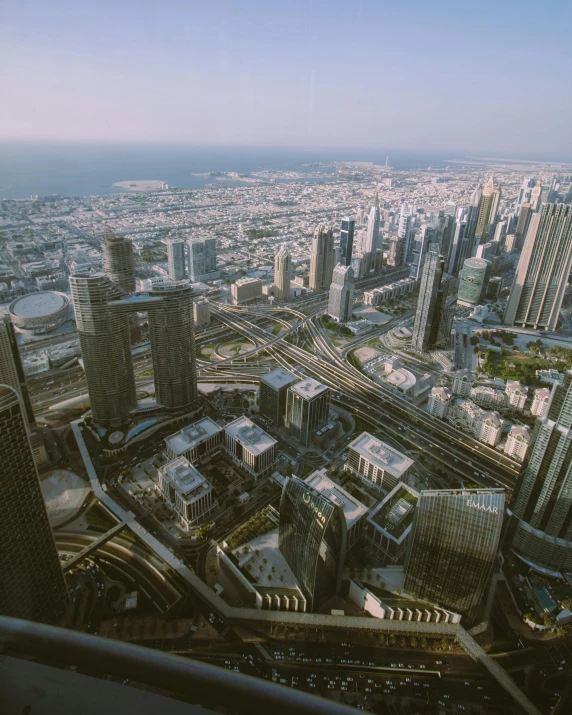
90	169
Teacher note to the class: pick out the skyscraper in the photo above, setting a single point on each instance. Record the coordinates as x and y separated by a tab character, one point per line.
312	537
341	298
522	224
172	338
347	240
542	274
118	263
542	530
405	220
322	259
461	246
487	211
12	371
373	222
282	273
105	347
32	584
424	237
428	309
176	259
273	391
307	409
454	543
474	279
202	259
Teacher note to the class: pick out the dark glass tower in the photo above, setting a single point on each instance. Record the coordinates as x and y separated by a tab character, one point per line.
347	240
454	542
429	302
118	262
32	584
312	539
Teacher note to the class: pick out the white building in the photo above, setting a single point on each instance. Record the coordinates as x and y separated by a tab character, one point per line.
202	259
186	490
354	510
488	428
195	440
516	394
484	425
201	312
517	442
245	289
176	259
341	298
540	402
376	463
462	382
282	273
438	403
389	292
487	396
250	446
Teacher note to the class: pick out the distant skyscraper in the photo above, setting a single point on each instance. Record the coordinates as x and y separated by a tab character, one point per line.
273	391
543	269
312	537
307	409
12	371
405	220
282	273
474	279
428	309
536	196
176	260
32	584
395	255
460	248
172	338
525	192
347	240
488	210
202	259
322	259
522	224
454	543
341	298
105	347
118	263
424	237
541	532
373	241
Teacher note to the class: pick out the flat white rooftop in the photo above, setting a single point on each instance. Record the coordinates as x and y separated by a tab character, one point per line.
309	388
192	435
279	378
182	475
249	435
38	305
353	509
381	454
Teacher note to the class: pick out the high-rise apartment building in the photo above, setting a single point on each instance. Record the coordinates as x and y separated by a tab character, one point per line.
118	264
488	210
405	221
105	347
282	273
542	274
202	259
341	298
542	532
474	279
32	584
347	240
273	391
522	224
12	371
454	543
201	312
312	537
427	313
176	259
322	259
307	409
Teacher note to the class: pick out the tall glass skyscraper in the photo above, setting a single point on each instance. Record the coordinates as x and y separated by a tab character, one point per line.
542	534
347	240
118	262
454	542
32	584
427	313
313	539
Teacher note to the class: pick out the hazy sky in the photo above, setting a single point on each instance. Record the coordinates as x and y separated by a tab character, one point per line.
408	74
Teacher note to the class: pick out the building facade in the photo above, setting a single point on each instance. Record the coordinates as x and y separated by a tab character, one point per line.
250	446
428	309
246	289
195	441
518	442
454	543
202	259
488	209
376	463
341	298
462	382
312	539
542	274
387	528
307	409
12	371
322	257
347	240
176	260
438	402
273	393
516	394
474	279
201	312
282	273
186	490
32	584
540	402
118	264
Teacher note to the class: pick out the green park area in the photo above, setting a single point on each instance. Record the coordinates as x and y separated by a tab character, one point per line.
257	525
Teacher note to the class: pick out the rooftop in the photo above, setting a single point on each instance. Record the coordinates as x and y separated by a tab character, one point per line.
249	435
279	378
185	478
309	388
381	454
38	305
395	513
353	509
192	435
